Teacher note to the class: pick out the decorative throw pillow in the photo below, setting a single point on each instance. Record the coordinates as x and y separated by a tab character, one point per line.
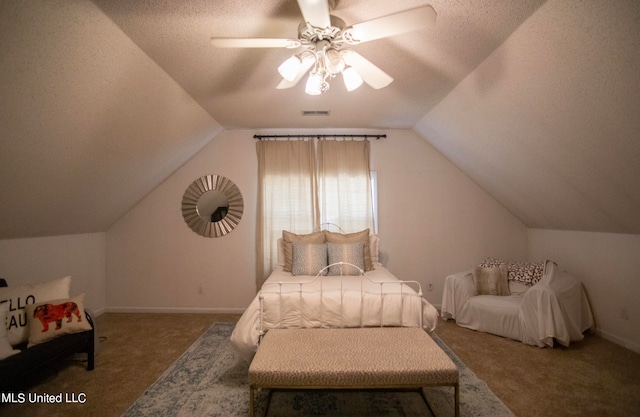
19	297
526	272
374	248
280	248
362	236
290	238
51	319
490	262
491	280
352	253
6	349
309	258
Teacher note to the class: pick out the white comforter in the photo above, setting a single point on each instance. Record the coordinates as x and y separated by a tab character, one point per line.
349	301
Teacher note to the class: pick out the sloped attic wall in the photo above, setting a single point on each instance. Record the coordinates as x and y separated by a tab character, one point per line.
548	124
90	124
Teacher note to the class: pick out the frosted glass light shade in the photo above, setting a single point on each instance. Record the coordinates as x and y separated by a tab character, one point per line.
314	84
352	79
289	68
333	61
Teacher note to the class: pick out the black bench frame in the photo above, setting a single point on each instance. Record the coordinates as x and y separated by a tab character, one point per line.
20	370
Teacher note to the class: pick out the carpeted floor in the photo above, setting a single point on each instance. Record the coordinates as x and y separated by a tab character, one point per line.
196	385
593	377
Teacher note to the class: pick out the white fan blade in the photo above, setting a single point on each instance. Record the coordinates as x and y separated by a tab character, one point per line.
394	24
304	68
255	43
370	73
315	12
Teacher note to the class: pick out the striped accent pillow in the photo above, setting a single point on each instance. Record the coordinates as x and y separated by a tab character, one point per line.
308	258
352	253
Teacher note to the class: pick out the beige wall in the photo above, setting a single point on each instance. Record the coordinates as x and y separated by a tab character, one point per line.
433	221
608	266
156	263
35	260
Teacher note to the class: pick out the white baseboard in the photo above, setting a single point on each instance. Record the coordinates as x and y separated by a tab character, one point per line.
174	310
618	340
98	312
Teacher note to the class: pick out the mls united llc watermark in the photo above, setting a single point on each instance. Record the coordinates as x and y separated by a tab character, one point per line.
35	398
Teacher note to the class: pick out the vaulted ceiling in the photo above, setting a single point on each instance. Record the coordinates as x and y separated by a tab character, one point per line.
101	100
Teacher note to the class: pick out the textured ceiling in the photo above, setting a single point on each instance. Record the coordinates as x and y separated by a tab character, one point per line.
237	86
536	101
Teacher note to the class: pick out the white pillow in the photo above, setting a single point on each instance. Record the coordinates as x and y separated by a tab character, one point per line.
51	319
6	349
19	297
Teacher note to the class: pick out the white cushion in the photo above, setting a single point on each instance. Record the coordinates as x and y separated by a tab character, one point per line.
6	349
19	297
51	319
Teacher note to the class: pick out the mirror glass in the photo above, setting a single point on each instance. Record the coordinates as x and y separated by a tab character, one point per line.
212	206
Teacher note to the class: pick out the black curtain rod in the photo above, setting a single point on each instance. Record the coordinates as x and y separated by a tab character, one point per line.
260	137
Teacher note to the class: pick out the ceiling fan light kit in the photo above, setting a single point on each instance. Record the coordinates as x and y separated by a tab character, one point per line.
324	38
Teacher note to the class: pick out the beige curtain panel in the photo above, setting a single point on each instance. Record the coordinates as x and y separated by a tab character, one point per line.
303	183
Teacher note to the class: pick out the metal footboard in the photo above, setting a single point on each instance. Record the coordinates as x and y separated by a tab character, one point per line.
289	289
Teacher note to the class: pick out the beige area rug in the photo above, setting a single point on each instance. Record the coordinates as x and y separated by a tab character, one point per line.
209	379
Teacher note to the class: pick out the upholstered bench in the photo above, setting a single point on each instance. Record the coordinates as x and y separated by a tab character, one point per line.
353	358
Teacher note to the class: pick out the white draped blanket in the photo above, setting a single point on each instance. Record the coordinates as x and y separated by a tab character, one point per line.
377	299
554	309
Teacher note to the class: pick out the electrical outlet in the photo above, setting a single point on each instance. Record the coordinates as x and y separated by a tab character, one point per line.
199	289
430	287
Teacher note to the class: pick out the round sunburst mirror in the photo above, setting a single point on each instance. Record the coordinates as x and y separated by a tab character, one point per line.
212	206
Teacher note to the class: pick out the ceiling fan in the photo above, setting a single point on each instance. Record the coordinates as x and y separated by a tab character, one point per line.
325	41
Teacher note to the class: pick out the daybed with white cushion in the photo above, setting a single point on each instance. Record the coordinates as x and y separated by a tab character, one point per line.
40	327
357	291
539	303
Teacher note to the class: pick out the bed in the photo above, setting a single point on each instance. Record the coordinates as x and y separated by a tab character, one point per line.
351	297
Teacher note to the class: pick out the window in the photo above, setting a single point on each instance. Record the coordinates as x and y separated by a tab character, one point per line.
304	184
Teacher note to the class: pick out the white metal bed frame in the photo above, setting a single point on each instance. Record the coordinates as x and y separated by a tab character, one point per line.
276	288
